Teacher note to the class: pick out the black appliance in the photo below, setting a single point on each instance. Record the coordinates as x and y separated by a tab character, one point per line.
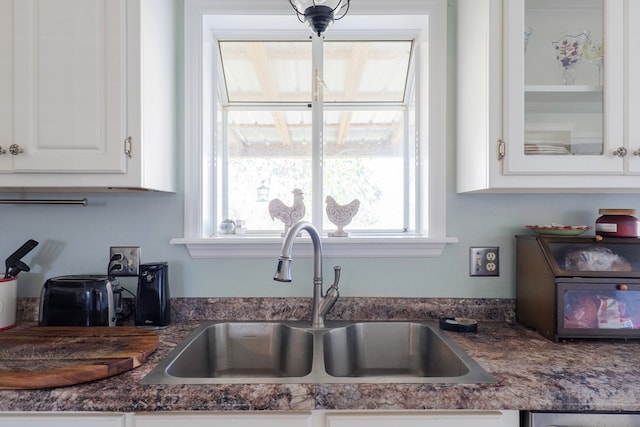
78	300
152	298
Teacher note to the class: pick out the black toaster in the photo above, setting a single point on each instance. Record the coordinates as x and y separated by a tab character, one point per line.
78	300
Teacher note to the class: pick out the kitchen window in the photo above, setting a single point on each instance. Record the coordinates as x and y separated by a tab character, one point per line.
248	126
266	131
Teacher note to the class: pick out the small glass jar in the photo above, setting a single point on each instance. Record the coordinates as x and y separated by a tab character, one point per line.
227	226
617	223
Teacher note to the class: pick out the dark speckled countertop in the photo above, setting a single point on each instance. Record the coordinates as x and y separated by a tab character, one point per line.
531	371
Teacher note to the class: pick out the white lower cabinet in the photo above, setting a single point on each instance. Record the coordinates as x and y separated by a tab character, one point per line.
335	419
57	419
422	419
320	418
225	419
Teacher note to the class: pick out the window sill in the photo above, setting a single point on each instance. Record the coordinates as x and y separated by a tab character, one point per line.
354	247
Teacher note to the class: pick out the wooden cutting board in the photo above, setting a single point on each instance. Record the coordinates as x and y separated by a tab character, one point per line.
54	356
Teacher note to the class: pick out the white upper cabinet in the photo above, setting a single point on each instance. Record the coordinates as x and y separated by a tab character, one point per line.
545	95
87	94
69	85
632	80
6	82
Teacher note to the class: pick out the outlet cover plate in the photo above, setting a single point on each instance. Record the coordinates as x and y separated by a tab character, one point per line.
124	261
484	261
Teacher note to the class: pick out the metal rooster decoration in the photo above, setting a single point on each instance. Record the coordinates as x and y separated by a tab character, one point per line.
288	214
341	215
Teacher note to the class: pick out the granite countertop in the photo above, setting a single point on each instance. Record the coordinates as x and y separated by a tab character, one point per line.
532	372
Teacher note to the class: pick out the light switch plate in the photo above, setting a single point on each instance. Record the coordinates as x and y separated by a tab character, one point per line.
484	261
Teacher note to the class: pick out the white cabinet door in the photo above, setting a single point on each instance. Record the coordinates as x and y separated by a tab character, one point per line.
632	93
563	112
235	419
60	420
70	85
424	419
6	82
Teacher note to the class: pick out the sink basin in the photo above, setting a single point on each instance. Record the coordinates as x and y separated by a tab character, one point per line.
390	349
230	350
293	352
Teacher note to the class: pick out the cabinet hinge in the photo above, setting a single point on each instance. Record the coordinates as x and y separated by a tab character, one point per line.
127	146
501	149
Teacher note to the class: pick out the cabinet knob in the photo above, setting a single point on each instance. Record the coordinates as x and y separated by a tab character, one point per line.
2	150
620	152
15	149
636	152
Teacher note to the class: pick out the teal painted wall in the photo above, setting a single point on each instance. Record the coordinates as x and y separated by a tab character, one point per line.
76	240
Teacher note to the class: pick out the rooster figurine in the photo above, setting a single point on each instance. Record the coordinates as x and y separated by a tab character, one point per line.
341	215
288	214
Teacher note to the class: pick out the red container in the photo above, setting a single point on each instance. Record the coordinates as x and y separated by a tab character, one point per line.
617	223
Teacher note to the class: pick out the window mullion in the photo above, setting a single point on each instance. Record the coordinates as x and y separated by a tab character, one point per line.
416	137
317	124
408	145
223	162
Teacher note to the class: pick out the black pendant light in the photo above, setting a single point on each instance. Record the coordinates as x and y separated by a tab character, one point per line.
319	14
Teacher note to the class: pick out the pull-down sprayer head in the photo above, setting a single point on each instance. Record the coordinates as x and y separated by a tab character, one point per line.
283	270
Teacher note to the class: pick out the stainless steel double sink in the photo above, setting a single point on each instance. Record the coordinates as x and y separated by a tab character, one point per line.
293	352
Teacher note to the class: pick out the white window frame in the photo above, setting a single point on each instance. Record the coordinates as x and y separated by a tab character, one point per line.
430	238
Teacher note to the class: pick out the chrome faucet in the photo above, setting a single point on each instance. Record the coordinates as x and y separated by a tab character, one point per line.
321	305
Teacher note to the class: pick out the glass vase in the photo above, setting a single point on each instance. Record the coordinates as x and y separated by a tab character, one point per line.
594	53
569	49
528	32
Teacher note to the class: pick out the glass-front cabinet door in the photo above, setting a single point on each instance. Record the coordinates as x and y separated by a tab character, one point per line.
564	81
632	81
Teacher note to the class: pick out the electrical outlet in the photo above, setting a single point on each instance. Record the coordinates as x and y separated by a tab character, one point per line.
124	261
484	261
